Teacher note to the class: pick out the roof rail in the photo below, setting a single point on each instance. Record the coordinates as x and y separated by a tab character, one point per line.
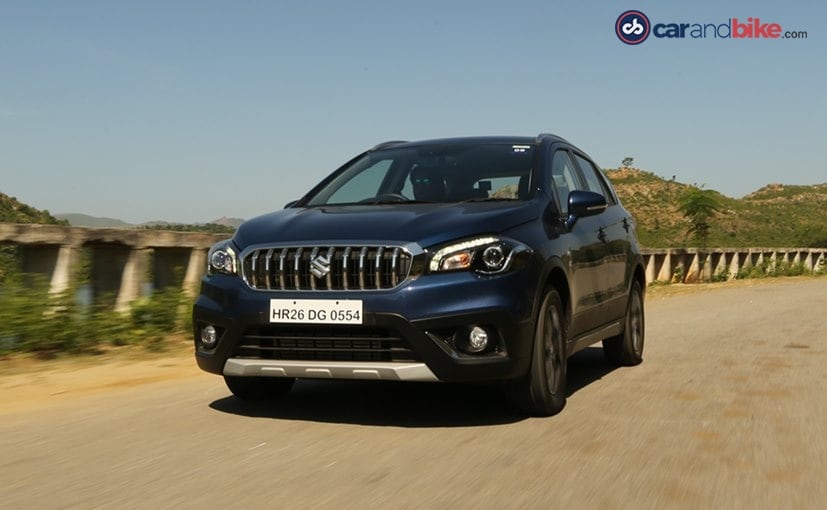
542	136
385	145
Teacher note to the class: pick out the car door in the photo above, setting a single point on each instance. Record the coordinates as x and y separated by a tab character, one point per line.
615	233
585	250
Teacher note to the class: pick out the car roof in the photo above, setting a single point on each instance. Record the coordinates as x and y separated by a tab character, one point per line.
472	140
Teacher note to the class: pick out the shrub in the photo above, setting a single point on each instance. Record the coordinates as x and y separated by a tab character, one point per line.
721	276
34	320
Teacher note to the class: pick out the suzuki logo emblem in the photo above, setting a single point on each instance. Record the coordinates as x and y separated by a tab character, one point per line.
320	266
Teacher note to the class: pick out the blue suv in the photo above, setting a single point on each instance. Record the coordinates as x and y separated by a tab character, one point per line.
488	259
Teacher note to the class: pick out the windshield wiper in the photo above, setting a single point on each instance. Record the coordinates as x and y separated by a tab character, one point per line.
385	201
490	199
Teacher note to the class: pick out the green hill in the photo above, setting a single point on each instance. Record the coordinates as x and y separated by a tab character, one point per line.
14	211
774	216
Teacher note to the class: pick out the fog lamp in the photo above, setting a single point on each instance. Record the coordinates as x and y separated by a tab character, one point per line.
477	340
208	336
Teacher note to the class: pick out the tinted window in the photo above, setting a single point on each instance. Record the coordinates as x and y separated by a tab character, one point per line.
443	172
564	179
594	181
364	184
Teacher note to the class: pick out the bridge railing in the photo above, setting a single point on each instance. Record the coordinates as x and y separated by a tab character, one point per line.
123	263
692	265
120	259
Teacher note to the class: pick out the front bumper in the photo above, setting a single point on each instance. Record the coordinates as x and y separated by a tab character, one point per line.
423	313
388	371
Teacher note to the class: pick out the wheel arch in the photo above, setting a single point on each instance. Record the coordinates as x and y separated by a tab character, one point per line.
639	276
556	277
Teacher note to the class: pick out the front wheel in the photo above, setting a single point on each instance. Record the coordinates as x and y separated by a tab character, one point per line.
542	391
626	349
258	388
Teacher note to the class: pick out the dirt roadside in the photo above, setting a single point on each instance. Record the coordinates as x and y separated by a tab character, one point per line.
27	382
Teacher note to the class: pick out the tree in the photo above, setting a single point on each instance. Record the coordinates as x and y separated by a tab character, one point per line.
699	205
627	162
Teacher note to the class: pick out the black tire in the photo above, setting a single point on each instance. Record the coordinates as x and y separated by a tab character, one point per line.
259	388
542	392
626	349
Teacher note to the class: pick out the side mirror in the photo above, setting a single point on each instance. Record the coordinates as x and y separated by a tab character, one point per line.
583	204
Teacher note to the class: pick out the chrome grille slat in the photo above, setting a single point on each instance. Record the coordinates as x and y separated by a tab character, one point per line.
362	267
329	277
345	266
254	274
326	267
267	272
297	259
379	261
282	280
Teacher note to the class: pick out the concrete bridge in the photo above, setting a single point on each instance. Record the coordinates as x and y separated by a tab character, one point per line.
692	265
129	263
125	264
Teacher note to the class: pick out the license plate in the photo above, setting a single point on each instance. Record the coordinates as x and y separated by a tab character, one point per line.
316	311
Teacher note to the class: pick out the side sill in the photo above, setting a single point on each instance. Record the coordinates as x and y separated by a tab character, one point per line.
593	337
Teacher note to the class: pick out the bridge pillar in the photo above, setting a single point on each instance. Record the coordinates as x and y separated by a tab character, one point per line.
693	273
133	278
65	266
665	273
118	272
735	264
196	268
169	266
649	264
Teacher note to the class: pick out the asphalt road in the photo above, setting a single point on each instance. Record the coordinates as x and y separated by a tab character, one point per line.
728	410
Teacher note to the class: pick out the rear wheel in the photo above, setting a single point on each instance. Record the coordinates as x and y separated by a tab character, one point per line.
258	388
627	348
543	391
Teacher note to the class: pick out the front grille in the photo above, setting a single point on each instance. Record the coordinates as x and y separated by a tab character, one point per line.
323	343
326	267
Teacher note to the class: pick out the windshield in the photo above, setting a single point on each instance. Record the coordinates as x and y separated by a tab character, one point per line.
438	173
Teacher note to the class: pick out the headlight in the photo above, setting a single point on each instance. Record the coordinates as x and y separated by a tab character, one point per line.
222	259
485	255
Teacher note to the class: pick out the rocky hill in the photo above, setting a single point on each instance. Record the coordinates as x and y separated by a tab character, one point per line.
222	225
84	220
776	215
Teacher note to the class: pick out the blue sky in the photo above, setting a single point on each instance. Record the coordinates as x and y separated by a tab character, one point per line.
188	111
